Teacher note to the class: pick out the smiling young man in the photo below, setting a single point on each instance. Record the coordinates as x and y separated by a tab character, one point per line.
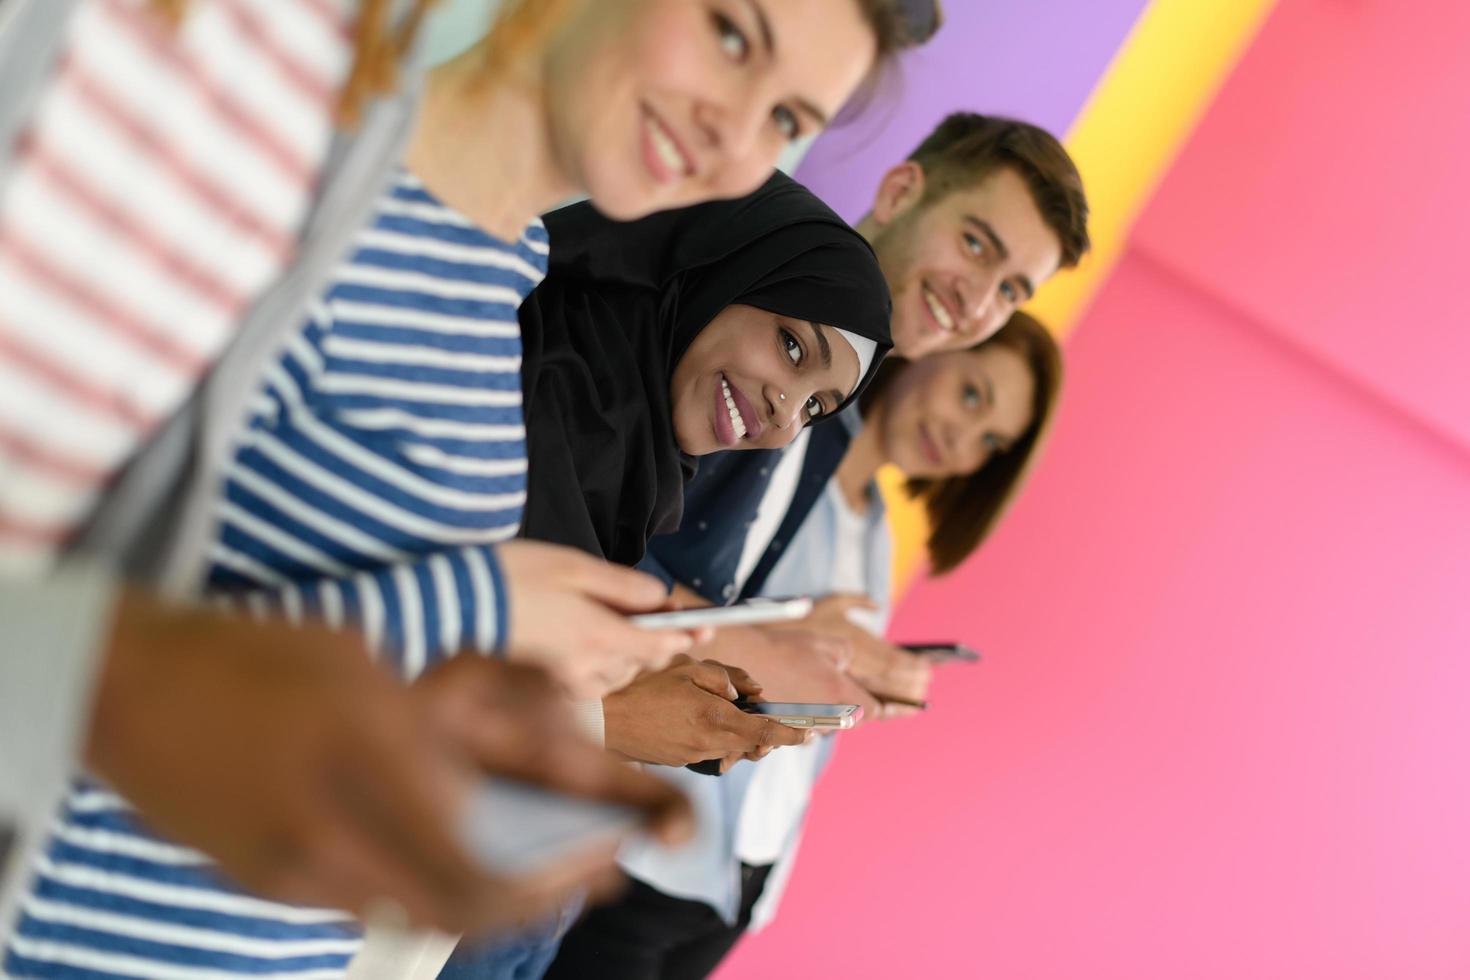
968	228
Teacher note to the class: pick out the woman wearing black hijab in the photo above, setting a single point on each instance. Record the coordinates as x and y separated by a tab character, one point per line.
721	327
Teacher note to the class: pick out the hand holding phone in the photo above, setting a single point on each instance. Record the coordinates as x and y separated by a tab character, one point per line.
684	713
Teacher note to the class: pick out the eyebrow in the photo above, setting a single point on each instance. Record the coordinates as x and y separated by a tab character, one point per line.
768	41
985	229
823	348
821	117
1000	248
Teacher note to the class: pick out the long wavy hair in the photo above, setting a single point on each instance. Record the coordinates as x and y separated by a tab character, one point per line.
963	510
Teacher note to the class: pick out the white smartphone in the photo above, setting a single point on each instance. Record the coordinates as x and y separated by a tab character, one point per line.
515	829
751	613
802	715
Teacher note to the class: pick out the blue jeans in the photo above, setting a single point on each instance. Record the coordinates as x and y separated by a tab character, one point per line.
522	956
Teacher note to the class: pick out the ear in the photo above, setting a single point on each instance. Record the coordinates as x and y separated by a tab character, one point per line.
901	189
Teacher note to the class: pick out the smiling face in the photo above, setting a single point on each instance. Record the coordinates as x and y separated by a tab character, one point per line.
949	413
656	104
752	379
958	265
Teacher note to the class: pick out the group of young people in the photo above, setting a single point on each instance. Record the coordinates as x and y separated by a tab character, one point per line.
334	458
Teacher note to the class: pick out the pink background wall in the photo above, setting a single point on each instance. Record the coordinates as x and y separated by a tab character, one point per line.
1222	729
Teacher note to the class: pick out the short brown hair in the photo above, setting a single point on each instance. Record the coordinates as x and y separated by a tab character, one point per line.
963	510
967	147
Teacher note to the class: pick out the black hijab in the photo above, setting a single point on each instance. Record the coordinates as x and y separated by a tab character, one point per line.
619	307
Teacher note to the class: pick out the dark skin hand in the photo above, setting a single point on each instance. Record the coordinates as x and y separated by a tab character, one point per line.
683	714
313	777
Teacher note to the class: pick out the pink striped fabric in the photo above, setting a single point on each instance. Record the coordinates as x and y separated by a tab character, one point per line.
158	189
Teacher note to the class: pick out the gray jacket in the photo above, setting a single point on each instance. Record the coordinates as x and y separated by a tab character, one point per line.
154	527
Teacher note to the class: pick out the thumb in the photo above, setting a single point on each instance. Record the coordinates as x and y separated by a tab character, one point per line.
835	649
625	589
712	677
744	683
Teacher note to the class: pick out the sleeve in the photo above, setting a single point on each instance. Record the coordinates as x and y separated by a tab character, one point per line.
51	637
414	614
51	633
649	563
880	569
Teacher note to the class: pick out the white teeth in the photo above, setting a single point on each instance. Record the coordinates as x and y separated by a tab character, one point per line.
664	145
937	308
736	422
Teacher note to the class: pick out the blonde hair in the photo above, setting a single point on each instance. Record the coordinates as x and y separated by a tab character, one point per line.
376	49
523	25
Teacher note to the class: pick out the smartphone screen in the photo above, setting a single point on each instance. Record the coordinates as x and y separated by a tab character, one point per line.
798	708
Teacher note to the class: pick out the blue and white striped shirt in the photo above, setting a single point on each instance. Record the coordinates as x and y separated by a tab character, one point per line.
387	447
385	455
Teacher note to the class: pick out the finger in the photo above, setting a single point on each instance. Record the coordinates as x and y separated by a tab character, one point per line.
842	602
625	589
892	710
653	648
743	682
364	874
910	684
714	678
751	732
409	806
762	752
871	709
835	649
667	645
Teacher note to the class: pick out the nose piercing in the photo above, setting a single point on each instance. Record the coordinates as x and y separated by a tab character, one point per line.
783	396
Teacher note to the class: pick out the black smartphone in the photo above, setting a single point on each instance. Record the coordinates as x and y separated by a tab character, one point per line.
943	653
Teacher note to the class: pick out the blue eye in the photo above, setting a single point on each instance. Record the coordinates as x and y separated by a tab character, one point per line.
1010	292
732	40
975	246
971	396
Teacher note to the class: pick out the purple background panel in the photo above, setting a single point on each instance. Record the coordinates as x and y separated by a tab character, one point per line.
1036	60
